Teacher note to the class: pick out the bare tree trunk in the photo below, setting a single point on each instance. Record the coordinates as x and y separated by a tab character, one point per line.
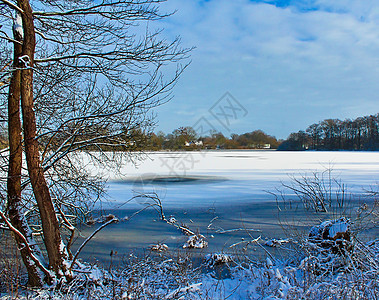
85	40
50	225
14	173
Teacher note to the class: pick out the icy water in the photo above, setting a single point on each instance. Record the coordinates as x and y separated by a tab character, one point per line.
224	195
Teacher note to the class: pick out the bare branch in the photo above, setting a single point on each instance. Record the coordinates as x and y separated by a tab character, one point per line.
126	8
70	227
26	245
9	39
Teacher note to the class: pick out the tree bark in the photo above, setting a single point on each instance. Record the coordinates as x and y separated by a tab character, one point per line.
50	225
14	208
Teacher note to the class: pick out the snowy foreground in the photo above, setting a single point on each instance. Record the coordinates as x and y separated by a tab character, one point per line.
331	266
329	262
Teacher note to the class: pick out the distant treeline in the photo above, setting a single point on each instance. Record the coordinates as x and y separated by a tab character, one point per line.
334	134
330	134
185	138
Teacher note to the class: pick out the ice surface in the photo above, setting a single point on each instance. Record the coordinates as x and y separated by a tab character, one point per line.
239	197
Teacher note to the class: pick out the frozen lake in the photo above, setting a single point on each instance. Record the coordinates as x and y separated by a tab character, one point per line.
233	177
225	188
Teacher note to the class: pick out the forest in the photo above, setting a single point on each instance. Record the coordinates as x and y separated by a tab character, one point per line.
333	134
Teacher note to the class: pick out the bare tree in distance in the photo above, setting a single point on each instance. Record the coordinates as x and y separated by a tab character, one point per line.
83	76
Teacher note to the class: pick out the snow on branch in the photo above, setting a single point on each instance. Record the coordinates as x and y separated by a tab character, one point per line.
18	29
26	245
9	39
12	5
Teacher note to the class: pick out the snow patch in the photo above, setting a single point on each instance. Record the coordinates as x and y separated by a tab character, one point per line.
276	243
330	230
185	290
17	27
159	248
217	259
96	275
339	227
196	241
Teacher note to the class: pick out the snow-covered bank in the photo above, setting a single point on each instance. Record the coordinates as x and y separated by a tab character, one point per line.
313	274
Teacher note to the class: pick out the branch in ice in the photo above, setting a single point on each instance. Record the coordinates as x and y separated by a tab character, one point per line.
157	204
259	244
114	220
246	243
222	231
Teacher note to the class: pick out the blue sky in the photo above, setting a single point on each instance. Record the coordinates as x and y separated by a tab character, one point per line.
287	63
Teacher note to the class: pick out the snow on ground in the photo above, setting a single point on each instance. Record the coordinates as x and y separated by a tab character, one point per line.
316	275
245	172
245	164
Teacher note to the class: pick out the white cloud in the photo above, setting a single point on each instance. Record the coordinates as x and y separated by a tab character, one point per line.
270	57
